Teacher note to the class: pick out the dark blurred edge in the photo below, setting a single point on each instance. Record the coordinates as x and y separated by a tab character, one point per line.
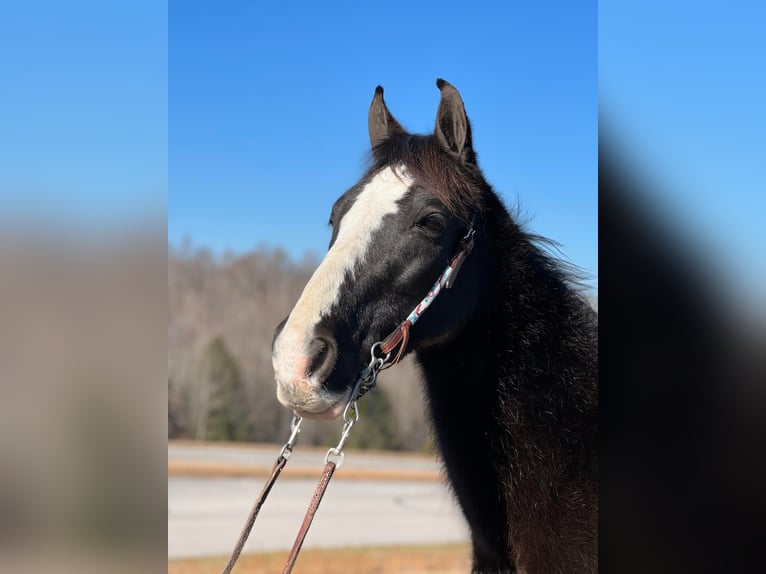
683	471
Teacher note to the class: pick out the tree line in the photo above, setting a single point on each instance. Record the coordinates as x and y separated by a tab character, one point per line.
222	312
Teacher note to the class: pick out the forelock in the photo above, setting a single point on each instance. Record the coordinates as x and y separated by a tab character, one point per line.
459	186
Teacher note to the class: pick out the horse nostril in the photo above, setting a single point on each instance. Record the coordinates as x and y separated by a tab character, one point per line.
319	357
323	352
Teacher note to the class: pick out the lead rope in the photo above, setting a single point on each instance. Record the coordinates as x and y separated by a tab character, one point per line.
350	417
365	382
284	456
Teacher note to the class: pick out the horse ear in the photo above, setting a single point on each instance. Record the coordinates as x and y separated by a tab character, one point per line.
453	131
380	123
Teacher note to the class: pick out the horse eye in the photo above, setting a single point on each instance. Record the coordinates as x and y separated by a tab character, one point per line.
433	222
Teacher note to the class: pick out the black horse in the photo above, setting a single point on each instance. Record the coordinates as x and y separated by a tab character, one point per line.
508	353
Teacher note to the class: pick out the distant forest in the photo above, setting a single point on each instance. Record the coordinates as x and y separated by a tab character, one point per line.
222	312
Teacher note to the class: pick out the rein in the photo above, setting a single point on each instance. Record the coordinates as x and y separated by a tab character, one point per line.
399	337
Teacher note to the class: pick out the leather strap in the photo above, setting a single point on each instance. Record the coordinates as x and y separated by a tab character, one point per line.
466	246
329	469
400	336
278	466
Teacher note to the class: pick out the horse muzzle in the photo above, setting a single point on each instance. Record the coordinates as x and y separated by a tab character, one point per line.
302	366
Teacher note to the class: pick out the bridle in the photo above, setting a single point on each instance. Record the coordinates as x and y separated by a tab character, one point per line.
380	358
400	335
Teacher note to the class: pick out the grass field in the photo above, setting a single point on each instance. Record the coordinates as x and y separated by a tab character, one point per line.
445	559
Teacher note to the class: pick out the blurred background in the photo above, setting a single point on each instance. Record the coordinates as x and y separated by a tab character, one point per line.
83	283
682	198
166	173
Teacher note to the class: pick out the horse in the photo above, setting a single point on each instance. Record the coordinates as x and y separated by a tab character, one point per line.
508	353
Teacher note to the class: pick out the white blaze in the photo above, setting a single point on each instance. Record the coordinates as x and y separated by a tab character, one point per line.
377	199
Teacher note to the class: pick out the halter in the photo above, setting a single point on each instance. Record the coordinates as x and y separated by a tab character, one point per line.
380	358
446	280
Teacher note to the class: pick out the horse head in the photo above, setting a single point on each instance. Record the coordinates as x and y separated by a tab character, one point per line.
393	234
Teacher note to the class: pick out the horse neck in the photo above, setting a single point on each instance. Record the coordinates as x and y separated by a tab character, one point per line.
530	337
513	399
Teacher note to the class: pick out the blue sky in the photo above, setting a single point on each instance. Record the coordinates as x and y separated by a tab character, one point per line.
268	111
83	126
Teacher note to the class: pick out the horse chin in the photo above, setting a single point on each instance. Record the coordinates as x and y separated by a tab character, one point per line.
329	414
